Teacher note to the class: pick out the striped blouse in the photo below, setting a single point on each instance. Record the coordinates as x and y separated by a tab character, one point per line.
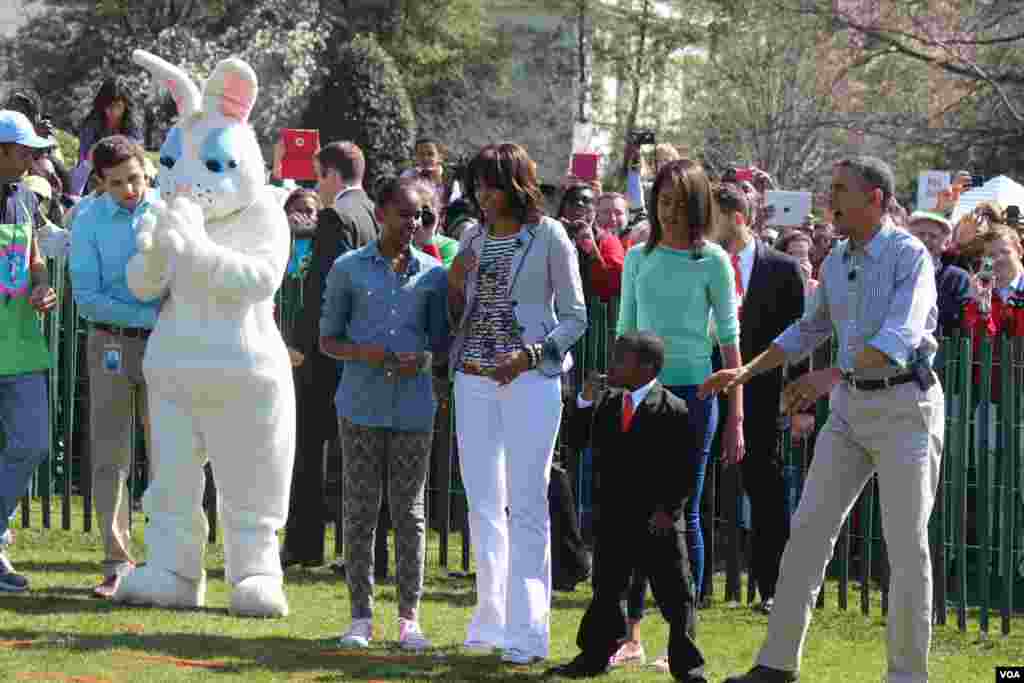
493	329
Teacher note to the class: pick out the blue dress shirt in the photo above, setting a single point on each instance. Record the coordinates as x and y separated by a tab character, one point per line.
880	295
367	303
102	242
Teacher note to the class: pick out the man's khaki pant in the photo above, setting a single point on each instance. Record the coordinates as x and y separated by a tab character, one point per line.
897	433
116	397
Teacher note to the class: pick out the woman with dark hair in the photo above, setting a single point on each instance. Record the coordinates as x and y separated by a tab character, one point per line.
674	286
112	113
515	293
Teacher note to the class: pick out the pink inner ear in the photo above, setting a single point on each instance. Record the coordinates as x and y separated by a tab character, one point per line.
237	100
172	87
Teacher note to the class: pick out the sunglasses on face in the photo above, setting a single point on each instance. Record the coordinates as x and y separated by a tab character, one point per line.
580	200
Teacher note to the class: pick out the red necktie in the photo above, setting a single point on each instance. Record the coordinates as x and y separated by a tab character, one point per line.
739	282
627	411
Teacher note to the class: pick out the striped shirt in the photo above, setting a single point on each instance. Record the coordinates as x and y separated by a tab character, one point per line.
882	295
493	329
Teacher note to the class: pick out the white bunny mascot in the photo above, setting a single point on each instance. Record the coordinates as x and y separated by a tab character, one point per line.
218	374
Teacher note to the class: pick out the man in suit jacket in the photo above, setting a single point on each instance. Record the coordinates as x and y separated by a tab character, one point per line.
641	488
345	223
771	294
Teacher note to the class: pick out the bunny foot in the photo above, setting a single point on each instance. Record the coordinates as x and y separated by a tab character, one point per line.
148	585
259	596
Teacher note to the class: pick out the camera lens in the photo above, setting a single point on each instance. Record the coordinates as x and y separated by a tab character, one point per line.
428	218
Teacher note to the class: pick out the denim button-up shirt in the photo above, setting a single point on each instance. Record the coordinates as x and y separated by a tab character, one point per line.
881	295
102	242
367	303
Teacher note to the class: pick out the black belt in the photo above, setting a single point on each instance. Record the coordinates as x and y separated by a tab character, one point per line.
876	384
130	332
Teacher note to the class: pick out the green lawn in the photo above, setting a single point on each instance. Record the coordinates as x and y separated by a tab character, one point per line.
57	632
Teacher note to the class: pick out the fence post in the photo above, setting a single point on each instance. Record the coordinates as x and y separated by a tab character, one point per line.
960	485
1008	499
983	487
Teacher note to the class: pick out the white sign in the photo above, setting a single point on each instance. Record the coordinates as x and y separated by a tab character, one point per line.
929	185
1000	189
787	209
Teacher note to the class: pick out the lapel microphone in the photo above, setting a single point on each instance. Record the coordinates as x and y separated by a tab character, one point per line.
852	275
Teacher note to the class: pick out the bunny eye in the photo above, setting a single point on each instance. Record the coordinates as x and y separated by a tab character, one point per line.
167	162
215	166
232	164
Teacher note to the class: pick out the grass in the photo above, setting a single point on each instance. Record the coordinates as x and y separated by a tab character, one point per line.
57	632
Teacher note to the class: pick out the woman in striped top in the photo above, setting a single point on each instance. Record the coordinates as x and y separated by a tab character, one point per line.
515	293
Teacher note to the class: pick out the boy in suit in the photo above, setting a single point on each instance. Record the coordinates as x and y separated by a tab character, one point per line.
640	492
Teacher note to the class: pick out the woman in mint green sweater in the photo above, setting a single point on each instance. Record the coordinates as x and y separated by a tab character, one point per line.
672	286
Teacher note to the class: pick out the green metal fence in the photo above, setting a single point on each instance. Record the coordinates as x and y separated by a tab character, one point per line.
976	530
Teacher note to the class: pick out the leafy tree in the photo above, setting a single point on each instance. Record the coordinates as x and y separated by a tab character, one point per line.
363	99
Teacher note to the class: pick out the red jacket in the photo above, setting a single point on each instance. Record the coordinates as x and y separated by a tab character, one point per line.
1006	316
606	280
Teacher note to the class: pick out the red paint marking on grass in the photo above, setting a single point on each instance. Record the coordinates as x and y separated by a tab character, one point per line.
46	676
184	663
18	644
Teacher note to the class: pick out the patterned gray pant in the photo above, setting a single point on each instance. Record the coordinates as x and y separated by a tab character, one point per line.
365	450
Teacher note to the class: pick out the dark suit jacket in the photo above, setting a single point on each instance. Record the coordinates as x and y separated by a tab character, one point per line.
774	300
350	225
952	283
646	468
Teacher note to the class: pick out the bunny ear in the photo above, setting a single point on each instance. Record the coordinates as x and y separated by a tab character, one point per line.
181	87
231	90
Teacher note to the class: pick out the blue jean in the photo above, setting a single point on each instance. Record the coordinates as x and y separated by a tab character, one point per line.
24	422
704	418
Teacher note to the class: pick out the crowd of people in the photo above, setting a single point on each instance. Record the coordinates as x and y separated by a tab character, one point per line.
427	286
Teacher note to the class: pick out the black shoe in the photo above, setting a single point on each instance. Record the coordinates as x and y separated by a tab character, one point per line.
338	567
763	674
766	606
577	668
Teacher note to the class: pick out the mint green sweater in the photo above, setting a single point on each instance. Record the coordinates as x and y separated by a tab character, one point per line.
671	294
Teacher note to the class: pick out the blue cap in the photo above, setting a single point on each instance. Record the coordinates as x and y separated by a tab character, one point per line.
15	127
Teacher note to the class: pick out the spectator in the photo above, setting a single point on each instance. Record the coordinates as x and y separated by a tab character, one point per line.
771	292
458	216
429	238
670	287
600	251
301	207
613	216
637	183
996	300
800	246
823	236
104	241
952	282
112	113
24	356
515	326
385	400
346	223
430	157
967	246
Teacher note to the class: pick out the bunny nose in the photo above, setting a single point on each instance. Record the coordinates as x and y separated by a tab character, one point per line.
183	188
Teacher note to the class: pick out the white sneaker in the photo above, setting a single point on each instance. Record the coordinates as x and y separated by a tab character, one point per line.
358	635
410	637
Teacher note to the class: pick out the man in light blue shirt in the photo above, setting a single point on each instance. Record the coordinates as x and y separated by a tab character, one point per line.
103	240
878	296
385	313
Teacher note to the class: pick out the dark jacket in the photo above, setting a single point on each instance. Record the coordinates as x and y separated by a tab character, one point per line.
774	300
643	470
952	283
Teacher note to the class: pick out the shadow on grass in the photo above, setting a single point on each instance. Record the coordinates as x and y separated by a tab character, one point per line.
319	660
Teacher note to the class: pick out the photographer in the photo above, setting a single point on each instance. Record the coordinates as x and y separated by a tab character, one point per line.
430	158
600	251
